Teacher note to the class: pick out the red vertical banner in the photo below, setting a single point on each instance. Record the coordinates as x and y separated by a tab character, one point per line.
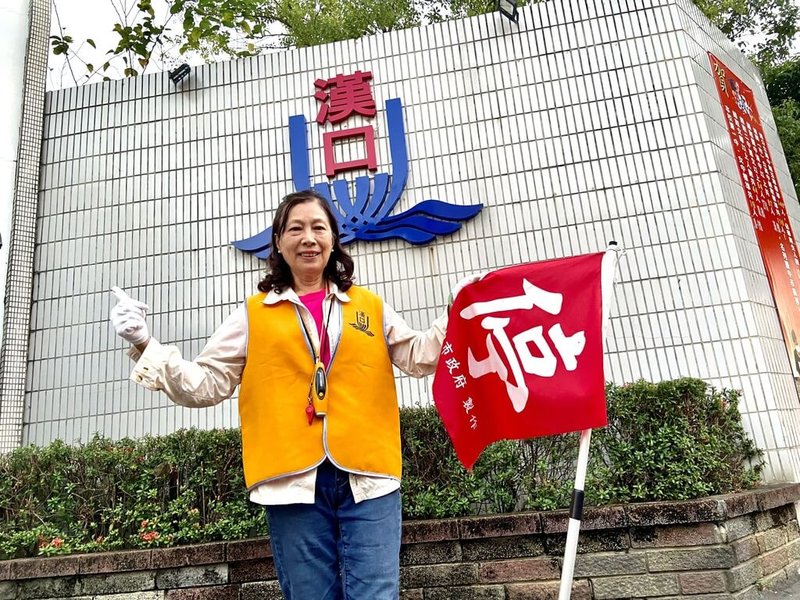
764	201
523	355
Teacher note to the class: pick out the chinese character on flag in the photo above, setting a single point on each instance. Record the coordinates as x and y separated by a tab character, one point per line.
524	351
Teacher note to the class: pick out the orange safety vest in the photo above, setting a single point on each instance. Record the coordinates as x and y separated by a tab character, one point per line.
361	430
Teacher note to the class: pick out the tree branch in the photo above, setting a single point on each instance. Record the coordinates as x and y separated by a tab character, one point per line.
61	32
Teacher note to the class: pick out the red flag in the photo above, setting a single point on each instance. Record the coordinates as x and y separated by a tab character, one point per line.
523	355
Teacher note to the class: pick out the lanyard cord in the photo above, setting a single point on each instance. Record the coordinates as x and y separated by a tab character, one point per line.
323	334
319	381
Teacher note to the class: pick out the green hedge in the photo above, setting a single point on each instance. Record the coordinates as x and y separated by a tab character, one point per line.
669	441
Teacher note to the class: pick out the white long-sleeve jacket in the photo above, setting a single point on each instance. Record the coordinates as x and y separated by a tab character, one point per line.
213	376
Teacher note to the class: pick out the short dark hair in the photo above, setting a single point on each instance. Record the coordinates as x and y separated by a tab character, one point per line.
340	266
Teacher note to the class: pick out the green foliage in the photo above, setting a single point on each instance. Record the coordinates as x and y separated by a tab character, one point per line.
218	29
435	11
668	441
787	122
215	27
436	485
782	82
60	44
182	488
212	29
312	22
771	23
765	29
677	439
548	466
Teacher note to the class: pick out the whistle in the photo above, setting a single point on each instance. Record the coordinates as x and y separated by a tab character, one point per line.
319	389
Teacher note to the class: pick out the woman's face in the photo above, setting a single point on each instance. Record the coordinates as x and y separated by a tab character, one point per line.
307	241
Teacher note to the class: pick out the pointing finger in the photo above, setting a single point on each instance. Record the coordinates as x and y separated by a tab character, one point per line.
124	299
119	293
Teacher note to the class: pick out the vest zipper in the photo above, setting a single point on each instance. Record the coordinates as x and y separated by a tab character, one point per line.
335	345
309	342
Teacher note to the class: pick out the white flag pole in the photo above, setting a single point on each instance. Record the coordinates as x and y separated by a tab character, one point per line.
608	270
570	550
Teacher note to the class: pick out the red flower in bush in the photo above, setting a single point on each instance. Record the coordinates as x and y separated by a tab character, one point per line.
149	536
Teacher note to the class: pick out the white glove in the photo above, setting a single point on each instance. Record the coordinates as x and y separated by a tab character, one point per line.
127	318
463	282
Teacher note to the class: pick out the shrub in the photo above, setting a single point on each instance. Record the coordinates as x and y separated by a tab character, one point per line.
667	441
672	440
436	485
158	491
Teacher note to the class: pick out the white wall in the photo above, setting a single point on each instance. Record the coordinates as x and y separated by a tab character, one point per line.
587	122
14	27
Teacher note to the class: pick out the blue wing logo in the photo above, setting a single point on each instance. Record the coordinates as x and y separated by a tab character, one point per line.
367	216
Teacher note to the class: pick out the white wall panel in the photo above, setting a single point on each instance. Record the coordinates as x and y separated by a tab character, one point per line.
23	27
585	123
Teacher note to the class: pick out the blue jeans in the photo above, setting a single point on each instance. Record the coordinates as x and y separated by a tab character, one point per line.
336	549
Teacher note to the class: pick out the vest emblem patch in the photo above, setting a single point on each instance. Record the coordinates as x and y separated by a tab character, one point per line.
362	323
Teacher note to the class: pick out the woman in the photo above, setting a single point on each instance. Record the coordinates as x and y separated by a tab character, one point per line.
318	408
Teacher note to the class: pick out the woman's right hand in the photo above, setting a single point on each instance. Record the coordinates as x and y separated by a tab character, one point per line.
127	318
464	282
